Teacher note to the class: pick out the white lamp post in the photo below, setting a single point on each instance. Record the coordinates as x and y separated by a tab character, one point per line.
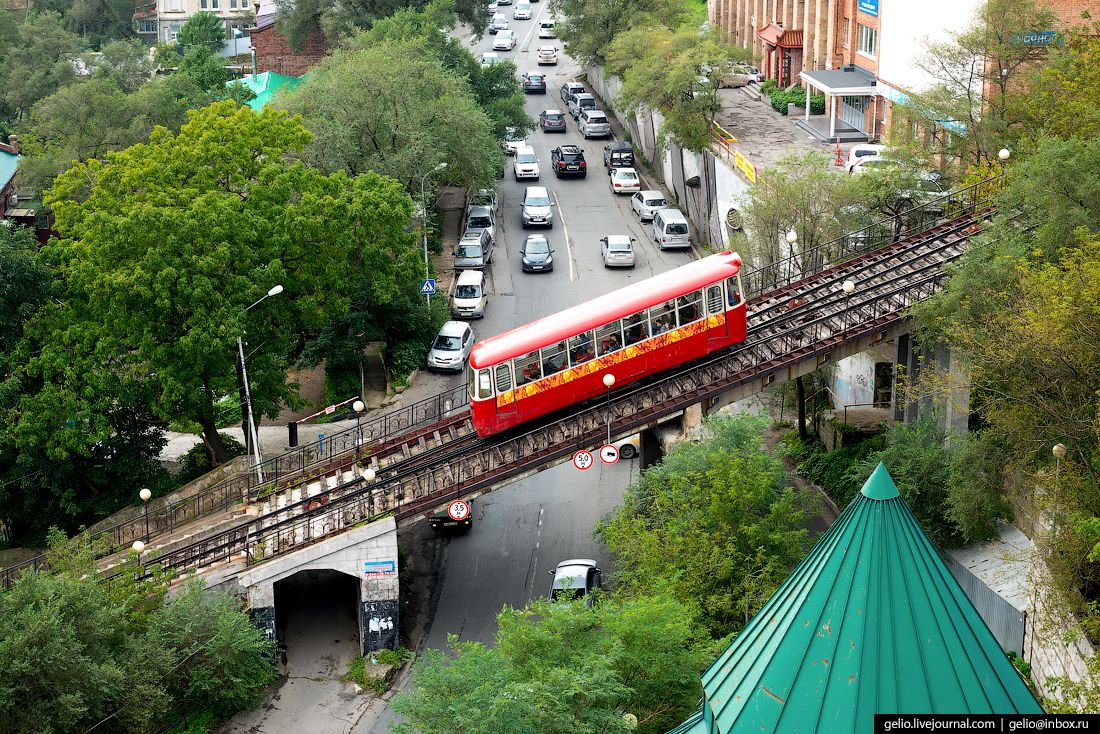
424	223
275	290
792	238
138	547
358	407
608	381
848	287
146	495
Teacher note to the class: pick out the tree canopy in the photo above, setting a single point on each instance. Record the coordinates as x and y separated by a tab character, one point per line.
202	29
39	62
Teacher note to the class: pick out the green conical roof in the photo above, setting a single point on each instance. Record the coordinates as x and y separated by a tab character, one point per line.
870	622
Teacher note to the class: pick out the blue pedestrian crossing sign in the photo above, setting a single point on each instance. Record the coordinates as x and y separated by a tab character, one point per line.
427	288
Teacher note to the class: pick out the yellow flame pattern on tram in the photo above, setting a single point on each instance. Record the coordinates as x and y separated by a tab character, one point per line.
600	363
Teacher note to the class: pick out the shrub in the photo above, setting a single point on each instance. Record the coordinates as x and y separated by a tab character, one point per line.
406	356
817	104
196	462
342	379
797	95
831	470
779	101
768	86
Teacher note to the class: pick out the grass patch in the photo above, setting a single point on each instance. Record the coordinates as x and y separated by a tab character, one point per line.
375	672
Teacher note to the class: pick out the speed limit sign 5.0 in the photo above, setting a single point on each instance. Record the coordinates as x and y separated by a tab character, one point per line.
582	460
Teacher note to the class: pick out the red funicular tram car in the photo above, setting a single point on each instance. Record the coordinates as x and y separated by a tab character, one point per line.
631	333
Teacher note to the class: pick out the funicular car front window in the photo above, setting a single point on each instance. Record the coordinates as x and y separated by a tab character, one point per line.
484	384
733	292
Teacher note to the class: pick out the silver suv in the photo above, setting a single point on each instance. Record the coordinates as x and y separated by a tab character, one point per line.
474	250
575	579
581	102
594	124
537	208
481	217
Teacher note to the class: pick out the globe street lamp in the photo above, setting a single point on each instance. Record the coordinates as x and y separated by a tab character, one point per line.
145	496
424	223
138	547
358	407
1003	155
275	290
848	287
608	381
792	238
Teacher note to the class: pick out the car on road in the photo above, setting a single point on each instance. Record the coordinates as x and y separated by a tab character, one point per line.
569	89
525	164
628	447
468	298
522	11
513	140
534	83
498	23
568	160
646	203
576	578
594	124
505	40
537	208
480	216
872	163
618	154
493	6
504	2
581	102
451	347
536	254
548	55
474	250
546	29
861	152
624	181
552	121
617	251
484	197
442	522
489	58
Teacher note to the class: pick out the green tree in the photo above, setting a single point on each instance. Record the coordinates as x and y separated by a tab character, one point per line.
564	669
26	284
161	250
393	109
976	493
101	21
1059	89
587	27
714	523
205	68
126	63
300	19
202	29
39	63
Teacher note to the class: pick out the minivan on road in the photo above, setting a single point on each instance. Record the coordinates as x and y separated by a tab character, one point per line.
670	229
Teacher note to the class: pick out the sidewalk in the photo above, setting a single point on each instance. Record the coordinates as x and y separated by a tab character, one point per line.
274	440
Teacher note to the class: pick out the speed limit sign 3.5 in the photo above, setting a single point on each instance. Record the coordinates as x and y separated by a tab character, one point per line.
458	510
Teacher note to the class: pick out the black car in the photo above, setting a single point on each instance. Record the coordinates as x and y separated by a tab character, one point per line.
618	155
534	83
444	522
552	121
568	160
537	254
569	89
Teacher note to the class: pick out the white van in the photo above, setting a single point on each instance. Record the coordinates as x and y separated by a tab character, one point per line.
670	228
468	299
546	29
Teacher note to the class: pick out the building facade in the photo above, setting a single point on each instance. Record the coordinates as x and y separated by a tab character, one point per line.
160	22
273	51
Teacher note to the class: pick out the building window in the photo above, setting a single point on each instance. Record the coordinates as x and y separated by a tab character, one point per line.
144	25
847	32
213	4
202	4
866	40
175	6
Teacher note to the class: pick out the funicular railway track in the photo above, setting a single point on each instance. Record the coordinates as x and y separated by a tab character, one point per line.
794	322
416	470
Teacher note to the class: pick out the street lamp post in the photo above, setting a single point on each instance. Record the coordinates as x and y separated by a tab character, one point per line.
275	290
792	238
1003	155
358	407
424	223
848	287
145	496
608	381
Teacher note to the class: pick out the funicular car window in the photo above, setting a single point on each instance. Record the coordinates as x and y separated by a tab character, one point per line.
732	294
484	384
554	359
714	299
663	317
527	369
580	348
636	327
689	307
504	378
609	337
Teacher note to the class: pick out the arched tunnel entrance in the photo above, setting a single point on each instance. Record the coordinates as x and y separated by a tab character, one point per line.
317	622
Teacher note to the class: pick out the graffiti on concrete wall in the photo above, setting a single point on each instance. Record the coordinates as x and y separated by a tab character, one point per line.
379	625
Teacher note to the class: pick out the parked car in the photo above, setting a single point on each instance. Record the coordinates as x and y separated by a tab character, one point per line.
548	55
484	197
537	208
546	29
569	89
525	164
468	298
628	447
498	23
451	347
489	58
552	121
581	102
443	522
618	154
522	11
568	160
536	254
873	163
624	181
534	83
645	203
504	2
618	251
752	72
480	216
863	151
474	250
513	140
594	124
505	40
576	578
493	6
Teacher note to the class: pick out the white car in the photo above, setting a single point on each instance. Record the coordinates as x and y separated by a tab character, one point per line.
546	29
628	447
862	151
498	23
873	163
525	164
548	55
645	203
489	58
522	11
505	41
624	181
451	347
513	141
618	251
